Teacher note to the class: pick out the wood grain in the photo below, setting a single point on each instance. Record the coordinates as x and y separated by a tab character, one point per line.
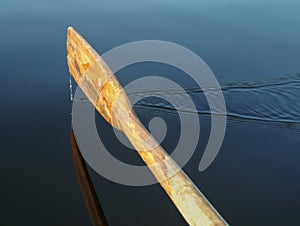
104	91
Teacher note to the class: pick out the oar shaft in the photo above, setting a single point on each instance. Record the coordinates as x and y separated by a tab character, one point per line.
190	202
106	94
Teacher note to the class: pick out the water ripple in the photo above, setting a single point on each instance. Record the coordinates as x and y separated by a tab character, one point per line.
276	100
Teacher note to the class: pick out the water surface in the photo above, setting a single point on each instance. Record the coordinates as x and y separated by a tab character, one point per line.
253	47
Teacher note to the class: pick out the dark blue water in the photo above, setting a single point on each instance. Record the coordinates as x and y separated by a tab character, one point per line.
253	47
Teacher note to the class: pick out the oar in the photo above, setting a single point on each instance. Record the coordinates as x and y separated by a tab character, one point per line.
108	97
87	189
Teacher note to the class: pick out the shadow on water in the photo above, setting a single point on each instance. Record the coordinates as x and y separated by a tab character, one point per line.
88	192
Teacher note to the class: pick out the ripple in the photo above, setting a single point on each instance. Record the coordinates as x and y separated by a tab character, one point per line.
276	100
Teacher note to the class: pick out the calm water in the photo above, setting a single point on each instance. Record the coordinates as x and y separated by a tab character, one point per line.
253	47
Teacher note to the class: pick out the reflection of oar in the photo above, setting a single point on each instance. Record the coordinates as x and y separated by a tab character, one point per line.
90	198
106	94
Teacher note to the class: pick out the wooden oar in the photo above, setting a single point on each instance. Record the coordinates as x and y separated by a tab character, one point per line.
87	189
108	97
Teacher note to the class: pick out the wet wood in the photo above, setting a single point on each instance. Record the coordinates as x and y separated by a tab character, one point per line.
104	91
87	189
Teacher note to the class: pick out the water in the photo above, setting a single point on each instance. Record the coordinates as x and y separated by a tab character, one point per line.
253	47
274	101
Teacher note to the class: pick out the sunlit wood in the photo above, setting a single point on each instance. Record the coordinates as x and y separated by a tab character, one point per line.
104	91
